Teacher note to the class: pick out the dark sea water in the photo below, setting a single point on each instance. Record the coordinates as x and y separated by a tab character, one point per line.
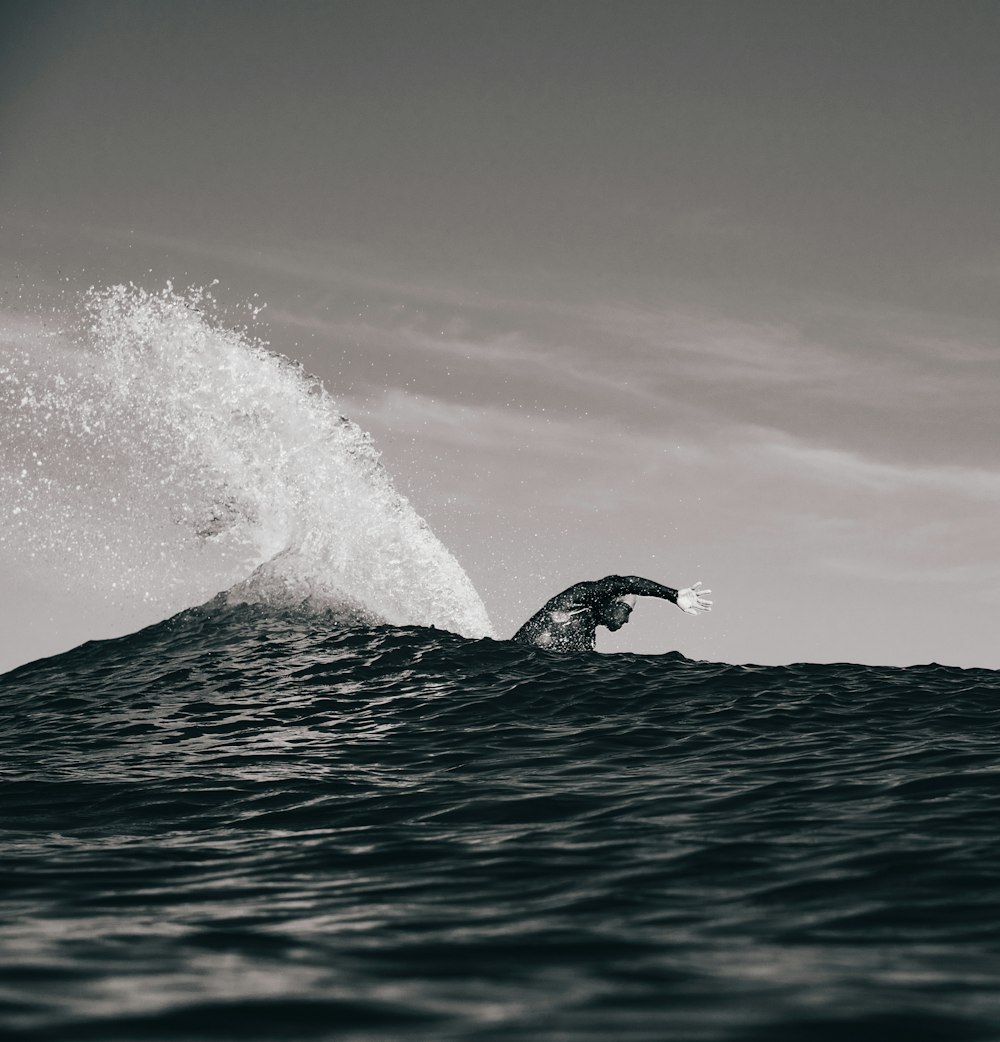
246	823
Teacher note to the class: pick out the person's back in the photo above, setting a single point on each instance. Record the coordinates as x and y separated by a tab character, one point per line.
566	622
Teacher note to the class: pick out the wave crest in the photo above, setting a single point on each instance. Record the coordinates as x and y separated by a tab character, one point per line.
161	456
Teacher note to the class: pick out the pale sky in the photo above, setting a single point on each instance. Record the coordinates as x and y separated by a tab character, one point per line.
690	290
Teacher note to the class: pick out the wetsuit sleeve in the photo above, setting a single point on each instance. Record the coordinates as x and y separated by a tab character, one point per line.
620	585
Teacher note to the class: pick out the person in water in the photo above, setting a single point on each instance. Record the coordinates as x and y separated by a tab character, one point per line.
569	621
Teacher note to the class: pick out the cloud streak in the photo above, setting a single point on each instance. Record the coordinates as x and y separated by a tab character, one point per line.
788	456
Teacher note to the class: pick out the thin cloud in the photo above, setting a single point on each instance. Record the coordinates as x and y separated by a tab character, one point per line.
707	347
793	457
503	429
489	367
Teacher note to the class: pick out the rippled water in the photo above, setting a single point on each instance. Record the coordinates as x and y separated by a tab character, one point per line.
251	823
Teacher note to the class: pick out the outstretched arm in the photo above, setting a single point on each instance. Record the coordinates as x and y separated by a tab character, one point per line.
620	585
691	600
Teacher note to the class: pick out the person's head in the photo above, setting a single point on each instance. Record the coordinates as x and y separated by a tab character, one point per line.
614	613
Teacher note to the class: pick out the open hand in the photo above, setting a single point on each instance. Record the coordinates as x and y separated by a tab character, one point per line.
692	600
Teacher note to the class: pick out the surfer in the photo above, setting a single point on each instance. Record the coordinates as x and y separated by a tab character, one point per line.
569	621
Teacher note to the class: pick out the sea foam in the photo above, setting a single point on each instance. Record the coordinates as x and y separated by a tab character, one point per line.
155	455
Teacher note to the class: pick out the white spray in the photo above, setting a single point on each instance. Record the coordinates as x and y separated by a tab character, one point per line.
155	456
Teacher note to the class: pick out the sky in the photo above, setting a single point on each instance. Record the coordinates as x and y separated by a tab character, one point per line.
689	290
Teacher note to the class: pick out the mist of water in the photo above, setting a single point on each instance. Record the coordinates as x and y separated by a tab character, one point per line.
154	456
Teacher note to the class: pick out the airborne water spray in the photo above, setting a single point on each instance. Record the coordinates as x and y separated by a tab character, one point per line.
155	457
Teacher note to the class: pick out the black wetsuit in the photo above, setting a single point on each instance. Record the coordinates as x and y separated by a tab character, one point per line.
569	621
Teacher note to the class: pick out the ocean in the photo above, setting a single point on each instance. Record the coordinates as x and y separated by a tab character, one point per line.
328	803
249	823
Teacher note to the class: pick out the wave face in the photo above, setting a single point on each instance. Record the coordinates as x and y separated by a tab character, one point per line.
256	823
158	457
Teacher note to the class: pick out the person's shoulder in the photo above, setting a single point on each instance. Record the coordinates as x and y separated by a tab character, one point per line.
610	584
588	591
575	594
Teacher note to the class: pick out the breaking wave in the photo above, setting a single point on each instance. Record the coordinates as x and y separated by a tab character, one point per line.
156	457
